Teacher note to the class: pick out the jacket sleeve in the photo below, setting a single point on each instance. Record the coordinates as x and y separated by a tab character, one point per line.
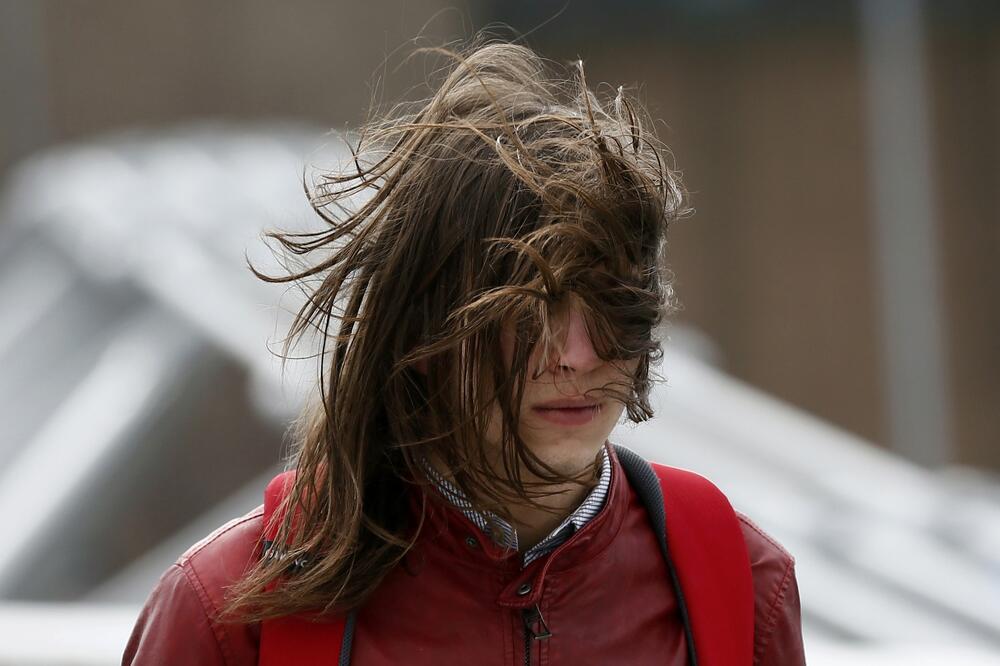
173	626
777	616
779	642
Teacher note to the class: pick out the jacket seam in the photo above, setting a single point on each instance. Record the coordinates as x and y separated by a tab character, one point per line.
192	579
770	620
198	547
767	537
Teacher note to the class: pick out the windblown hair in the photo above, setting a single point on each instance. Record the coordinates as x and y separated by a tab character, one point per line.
479	208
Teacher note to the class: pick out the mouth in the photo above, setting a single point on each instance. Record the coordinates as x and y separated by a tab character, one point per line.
569	416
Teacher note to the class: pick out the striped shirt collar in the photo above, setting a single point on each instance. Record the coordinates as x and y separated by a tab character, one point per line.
507	535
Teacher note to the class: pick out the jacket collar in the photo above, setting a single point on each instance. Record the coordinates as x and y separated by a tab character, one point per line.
448	534
506	535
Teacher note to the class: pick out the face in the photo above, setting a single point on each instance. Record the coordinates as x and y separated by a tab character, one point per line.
569	440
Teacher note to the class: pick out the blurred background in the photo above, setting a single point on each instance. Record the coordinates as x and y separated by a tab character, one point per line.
835	367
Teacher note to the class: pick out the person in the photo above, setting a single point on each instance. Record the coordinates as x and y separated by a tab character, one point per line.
498	254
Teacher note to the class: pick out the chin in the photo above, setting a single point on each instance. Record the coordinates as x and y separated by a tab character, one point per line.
568	454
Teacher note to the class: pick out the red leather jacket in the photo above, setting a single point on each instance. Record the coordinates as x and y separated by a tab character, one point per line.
605	595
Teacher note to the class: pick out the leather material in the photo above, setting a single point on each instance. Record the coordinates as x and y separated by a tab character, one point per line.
176	625
604	594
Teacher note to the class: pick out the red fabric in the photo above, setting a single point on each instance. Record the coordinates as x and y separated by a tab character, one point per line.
605	595
276	490
294	640
706	546
712	563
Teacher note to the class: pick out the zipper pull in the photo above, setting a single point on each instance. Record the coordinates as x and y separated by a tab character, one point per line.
530	617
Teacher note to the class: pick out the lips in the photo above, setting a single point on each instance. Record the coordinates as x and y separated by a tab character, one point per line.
566	404
567	412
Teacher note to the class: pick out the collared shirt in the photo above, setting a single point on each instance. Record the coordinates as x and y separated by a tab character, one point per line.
507	536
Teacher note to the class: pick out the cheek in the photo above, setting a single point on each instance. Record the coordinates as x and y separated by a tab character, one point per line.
613	411
507	339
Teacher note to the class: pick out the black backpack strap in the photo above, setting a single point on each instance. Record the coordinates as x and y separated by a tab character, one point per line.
646	484
348	641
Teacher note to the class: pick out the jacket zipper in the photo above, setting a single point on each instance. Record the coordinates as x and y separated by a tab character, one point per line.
530	616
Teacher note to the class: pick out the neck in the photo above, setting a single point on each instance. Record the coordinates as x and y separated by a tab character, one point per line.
534	523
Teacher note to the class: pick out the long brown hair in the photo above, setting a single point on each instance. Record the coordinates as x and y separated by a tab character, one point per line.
482	206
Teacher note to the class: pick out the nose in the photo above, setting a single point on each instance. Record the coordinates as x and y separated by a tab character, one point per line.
577	353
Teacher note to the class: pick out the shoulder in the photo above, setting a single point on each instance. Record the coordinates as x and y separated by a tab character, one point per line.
223	556
777	615
690	487
765	552
178	623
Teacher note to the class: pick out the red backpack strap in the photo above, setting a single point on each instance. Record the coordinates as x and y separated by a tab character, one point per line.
713	566
275	491
707	558
298	639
